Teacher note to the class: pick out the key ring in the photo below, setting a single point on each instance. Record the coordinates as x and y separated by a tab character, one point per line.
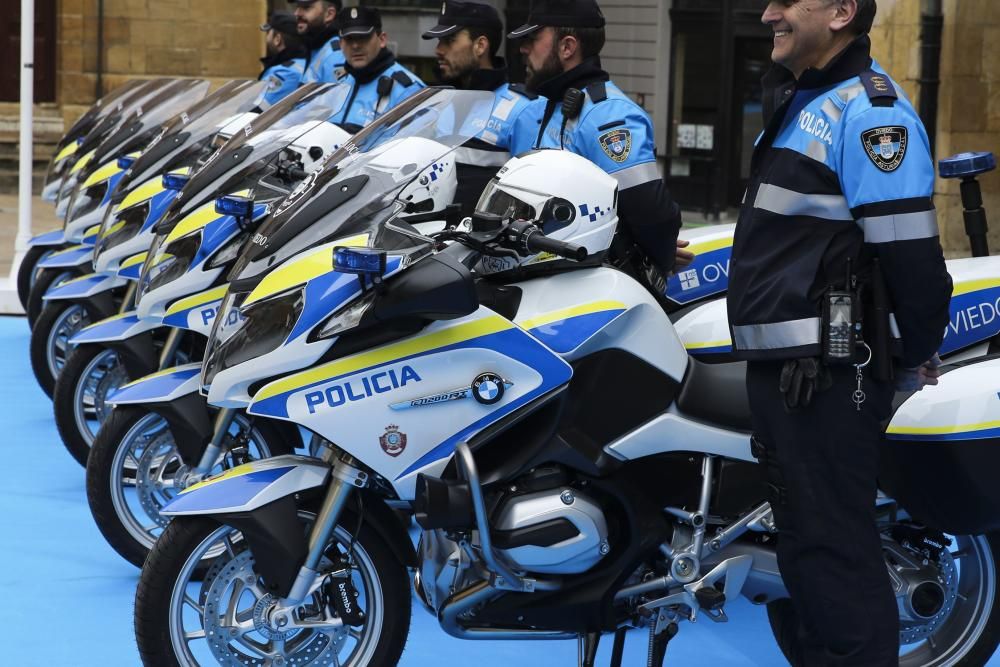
868	360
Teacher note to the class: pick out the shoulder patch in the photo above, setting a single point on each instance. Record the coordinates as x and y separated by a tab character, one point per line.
885	146
616	144
879	88
521	90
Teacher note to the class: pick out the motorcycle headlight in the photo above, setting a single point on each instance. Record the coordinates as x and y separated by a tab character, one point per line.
170	262
242	334
228	252
123	227
347	317
88	199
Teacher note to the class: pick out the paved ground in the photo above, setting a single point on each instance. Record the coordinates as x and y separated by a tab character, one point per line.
43	219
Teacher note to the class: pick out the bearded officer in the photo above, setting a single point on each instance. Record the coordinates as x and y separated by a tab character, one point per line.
377	81
838	204
469	36
285	61
317	23
580	110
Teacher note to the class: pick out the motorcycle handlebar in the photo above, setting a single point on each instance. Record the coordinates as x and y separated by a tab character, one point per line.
536	241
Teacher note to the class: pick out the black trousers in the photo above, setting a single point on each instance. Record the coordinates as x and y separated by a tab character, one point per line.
822	466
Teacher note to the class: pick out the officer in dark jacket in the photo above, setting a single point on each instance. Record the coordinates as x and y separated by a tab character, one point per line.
561	44
469	36
841	177
317	23
285	61
377	81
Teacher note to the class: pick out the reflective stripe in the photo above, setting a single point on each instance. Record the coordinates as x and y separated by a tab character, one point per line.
788	202
900	227
640	174
894	326
816	150
848	93
830	108
777	335
481	158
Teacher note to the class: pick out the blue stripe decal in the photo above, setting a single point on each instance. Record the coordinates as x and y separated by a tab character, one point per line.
722	349
984	434
157	207
974	317
131	272
55	237
156	387
708	274
105	329
566	335
76	288
112	185
90	240
68	258
227	493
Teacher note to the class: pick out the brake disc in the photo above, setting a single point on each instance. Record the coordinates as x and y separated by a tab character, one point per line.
947	577
113	378
158	466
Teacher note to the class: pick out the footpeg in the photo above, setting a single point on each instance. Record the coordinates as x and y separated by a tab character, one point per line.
710	598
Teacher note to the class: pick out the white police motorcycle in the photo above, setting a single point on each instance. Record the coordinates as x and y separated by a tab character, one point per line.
550	428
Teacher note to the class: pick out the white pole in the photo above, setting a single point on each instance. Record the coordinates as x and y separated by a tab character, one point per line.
26	157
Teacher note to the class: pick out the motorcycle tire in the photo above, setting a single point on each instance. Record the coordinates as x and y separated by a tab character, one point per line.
26	272
76	436
45	279
103	481
39	343
973	647
179	544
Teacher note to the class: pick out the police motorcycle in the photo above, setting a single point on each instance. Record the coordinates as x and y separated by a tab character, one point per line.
551	430
122	347
163	419
65	250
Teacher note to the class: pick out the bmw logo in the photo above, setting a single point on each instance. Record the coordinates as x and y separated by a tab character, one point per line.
488	388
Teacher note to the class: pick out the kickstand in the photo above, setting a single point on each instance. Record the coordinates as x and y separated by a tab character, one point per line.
587	648
618	648
658	640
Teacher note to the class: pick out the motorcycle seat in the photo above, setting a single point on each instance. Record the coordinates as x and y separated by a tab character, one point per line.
716	394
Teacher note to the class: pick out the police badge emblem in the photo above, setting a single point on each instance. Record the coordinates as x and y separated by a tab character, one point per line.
617	144
393	441
885	146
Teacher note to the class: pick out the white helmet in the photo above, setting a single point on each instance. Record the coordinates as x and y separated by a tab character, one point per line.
569	197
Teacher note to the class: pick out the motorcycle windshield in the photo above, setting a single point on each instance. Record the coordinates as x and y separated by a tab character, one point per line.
121	113
188	136
358	187
245	160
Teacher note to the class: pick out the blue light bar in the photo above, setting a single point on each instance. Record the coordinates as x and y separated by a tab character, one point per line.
362	261
966	164
238	207
175	181
125	161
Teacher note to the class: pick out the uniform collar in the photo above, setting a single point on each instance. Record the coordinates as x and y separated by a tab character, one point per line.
283	57
317	40
488	79
581	76
383	61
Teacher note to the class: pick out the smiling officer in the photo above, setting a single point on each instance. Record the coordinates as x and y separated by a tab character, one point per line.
841	177
317	23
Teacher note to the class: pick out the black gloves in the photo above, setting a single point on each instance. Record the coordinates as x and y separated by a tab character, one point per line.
800	379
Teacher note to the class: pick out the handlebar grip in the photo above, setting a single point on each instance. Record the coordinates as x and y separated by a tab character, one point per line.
539	242
298	174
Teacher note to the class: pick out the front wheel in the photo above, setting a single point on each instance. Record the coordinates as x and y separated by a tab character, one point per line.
27	271
135	469
951	615
50	347
227	619
43	280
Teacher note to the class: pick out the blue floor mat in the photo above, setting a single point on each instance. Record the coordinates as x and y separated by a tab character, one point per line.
67	596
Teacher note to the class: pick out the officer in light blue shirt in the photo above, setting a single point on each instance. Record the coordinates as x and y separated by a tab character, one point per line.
377	81
469	36
317	23
285	61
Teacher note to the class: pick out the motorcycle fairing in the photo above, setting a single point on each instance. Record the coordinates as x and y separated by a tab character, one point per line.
196	312
55	237
379	384
705	330
566	329
82	163
74	255
159	200
132	266
674	432
84	286
115	328
708	274
250	486
160	387
90	235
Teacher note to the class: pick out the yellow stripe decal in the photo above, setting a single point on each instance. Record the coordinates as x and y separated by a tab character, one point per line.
133	260
711	343
196	300
72	248
151	376
92	231
147	190
86	276
408	348
709	246
238	471
105	172
975	286
942	430
112	229
67	151
82	162
572	311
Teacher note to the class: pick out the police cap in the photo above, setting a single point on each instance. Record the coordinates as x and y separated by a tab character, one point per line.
359	21
560	14
283	22
456	15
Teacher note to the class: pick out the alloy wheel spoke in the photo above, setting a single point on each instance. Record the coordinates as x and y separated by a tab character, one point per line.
191	602
195	634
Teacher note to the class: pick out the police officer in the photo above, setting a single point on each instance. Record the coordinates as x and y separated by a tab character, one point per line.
582	111
841	177
469	36
286	58
377	81
317	23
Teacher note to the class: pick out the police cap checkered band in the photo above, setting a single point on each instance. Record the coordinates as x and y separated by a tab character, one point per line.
560	14
456	15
